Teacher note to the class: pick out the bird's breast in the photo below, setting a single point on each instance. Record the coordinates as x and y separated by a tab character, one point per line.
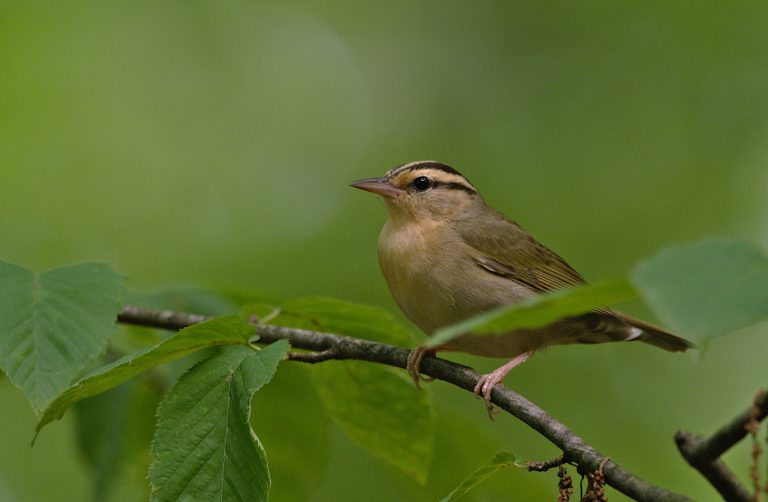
434	277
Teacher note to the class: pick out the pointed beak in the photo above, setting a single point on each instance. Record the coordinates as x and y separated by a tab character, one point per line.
379	186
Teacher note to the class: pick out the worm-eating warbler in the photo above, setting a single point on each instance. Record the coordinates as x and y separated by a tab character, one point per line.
446	256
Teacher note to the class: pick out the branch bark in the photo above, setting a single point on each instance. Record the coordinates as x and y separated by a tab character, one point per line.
344	347
704	453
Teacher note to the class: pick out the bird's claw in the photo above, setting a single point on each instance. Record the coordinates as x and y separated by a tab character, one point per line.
414	365
484	388
487	382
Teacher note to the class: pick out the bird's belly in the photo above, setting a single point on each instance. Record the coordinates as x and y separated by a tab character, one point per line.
434	304
519	341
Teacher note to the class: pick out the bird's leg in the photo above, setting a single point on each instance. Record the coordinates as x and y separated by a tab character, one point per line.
414	364
487	382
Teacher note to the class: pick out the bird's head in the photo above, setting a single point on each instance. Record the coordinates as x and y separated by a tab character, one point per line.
424	189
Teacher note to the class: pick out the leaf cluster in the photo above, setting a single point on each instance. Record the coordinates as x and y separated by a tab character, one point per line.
56	326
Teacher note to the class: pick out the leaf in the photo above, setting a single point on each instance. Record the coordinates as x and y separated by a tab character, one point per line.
706	289
501	460
184	299
114	435
300	446
204	448
54	323
100	424
539	310
377	407
351	319
225	330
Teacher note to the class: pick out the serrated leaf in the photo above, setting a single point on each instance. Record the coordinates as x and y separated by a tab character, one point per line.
501	460
222	331
54	323
377	407
204	448
706	289
539	310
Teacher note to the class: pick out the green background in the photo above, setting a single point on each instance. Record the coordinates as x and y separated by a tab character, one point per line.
210	144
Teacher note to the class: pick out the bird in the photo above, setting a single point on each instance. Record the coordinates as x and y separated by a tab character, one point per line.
446	256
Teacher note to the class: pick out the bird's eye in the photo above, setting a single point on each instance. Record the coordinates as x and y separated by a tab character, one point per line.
421	183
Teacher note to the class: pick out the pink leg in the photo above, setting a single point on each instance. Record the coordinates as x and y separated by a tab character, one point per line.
487	382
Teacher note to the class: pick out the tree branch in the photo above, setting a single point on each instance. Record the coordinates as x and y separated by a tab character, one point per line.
704	454
715	470
344	347
732	432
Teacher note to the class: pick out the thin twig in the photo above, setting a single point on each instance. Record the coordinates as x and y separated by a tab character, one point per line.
547	464
714	470
765	487
461	376
731	433
704	453
753	427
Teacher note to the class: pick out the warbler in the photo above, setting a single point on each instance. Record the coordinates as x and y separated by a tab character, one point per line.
446	256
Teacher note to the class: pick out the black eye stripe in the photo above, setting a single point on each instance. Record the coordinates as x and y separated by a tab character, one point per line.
422	184
437	166
455	186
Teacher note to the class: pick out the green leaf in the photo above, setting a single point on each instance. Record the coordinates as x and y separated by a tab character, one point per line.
346	318
184	299
379	408
300	445
204	448
539	310
225	330
54	323
100	427
501	460
114	436
706	289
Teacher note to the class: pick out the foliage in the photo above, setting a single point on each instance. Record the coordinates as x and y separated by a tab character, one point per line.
204	448
374	405
540	310
706	289
54	323
225	330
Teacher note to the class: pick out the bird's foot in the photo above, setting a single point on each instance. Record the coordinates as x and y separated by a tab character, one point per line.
488	381
414	364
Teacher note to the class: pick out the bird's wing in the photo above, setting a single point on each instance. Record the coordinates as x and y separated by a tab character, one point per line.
504	248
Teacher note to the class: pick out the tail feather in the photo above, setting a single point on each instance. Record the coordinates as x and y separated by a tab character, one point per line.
656	336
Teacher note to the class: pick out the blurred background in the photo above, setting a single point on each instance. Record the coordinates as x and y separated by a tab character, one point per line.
210	145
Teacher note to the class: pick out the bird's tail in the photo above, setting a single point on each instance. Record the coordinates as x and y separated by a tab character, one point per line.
656	336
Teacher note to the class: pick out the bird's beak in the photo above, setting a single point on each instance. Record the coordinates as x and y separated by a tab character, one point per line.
379	186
